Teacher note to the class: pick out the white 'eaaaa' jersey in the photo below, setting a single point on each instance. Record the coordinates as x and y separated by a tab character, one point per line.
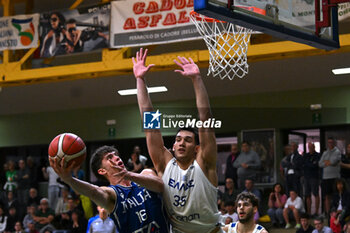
190	199
233	228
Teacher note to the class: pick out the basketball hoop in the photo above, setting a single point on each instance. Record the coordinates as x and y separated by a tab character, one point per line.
227	44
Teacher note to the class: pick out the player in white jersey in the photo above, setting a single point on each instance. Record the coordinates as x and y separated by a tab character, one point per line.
190	178
247	206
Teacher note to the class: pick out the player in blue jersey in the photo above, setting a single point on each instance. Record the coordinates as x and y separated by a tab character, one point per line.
134	207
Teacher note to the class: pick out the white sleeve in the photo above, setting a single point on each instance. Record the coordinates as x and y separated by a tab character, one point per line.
287	203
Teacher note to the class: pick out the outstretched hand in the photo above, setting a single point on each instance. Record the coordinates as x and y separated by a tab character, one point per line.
189	68
59	167
140	68
120	172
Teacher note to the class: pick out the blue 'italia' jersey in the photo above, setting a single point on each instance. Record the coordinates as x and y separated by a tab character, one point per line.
138	210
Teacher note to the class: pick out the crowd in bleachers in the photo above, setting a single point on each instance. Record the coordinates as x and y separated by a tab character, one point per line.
324	176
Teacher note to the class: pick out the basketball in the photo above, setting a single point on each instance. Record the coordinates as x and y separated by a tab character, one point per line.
68	146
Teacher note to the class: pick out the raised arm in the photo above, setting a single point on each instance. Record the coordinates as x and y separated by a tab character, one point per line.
159	154
207	154
102	196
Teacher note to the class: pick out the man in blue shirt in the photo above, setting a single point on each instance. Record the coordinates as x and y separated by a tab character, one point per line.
101	223
132	207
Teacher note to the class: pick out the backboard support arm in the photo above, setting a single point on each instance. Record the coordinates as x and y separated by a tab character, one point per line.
327	5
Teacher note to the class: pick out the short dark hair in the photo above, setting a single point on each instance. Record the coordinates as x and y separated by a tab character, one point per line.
192	130
304	215
246	142
248	196
97	158
319	219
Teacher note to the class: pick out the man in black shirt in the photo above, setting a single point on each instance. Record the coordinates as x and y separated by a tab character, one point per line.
305	224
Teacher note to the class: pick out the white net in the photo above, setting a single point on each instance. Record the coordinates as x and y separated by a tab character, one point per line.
227	44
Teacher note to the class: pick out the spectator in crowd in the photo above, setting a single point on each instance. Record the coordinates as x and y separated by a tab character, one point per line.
230	212
249	188
277	200
311	177
64	221
33	199
305	224
341	200
18	227
23	182
230	193
136	162
319	226
11	184
292	165
3	219
231	171
33	172
345	165
292	209
62	203
103	223
334	222
12	218
287	150
78	224
330	162
44	216
247	164
31	209
85	205
31	227
54	186
11	201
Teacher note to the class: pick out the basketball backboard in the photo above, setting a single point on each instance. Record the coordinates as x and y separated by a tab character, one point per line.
292	20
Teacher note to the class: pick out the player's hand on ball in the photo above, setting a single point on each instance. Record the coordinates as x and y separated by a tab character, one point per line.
189	68
59	166
140	69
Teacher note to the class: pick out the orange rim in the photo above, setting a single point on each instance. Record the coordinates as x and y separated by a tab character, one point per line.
205	18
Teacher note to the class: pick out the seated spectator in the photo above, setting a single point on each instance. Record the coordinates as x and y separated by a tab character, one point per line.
78	224
319	226
231	171
292	209
29	217
341	200
277	200
305	224
12	218
31	227
230	212
33	197
11	200
44	216
230	193
18	228
103	223
249	187
3	219
334	222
